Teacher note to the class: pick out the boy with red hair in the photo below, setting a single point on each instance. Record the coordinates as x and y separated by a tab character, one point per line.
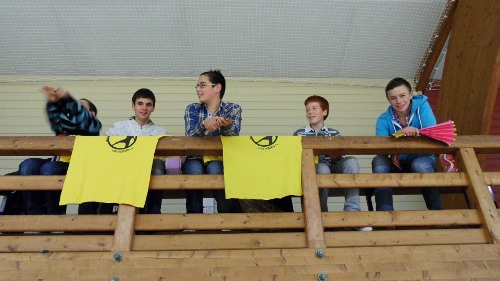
317	110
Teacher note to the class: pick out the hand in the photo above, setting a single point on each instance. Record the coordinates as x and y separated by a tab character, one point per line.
54	94
224	122
409	131
395	161
214	123
210	124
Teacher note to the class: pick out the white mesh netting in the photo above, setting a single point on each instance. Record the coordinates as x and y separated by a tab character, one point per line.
177	38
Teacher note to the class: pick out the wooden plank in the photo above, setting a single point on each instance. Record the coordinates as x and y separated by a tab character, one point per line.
35	146
229	240
55	243
446	218
387	145
368	262
181	145
220	221
406	237
492	178
263	221
453	262
391	180
185	182
177	184
451	275
167	182
124	231
31	182
485	205
360	254
66	223
312	211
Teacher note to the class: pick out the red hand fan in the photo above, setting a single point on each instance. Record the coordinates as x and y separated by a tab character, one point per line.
444	132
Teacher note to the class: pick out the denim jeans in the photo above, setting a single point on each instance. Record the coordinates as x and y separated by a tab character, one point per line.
422	164
194	198
347	165
43	202
153	198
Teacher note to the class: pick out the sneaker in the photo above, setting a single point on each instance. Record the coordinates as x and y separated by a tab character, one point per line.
189	230
31	232
364	229
448	162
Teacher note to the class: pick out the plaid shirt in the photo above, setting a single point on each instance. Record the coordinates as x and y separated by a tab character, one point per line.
395	117
307	131
197	112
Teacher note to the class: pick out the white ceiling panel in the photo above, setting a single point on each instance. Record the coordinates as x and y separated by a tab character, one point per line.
176	38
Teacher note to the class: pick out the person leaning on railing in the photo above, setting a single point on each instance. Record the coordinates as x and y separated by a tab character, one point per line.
406	114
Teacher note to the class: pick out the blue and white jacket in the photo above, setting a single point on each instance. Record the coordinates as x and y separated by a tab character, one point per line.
421	116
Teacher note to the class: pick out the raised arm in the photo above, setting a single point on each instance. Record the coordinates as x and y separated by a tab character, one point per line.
67	115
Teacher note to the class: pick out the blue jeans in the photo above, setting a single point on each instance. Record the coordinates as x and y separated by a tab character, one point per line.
347	165
153	199
422	164
43	202
194	198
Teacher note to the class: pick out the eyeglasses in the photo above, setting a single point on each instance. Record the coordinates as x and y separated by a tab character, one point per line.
203	85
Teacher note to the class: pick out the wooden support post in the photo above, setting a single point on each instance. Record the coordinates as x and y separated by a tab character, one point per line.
124	231
473	52
312	210
484	202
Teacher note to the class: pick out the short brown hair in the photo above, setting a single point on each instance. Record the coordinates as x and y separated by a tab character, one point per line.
323	103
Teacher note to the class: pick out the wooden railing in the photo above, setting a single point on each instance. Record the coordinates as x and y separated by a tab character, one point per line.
129	231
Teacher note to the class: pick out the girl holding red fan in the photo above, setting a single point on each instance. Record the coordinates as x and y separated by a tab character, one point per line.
406	114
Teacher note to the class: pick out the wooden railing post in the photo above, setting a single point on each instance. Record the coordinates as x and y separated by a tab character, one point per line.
312	210
124	231
482	196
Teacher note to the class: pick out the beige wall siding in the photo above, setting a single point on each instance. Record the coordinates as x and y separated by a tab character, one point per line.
269	108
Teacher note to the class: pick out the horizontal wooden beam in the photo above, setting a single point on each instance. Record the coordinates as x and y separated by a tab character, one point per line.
405	237
55	243
228	240
185	182
392	180
50	223
445	218
180	146
247	221
436	262
71	224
